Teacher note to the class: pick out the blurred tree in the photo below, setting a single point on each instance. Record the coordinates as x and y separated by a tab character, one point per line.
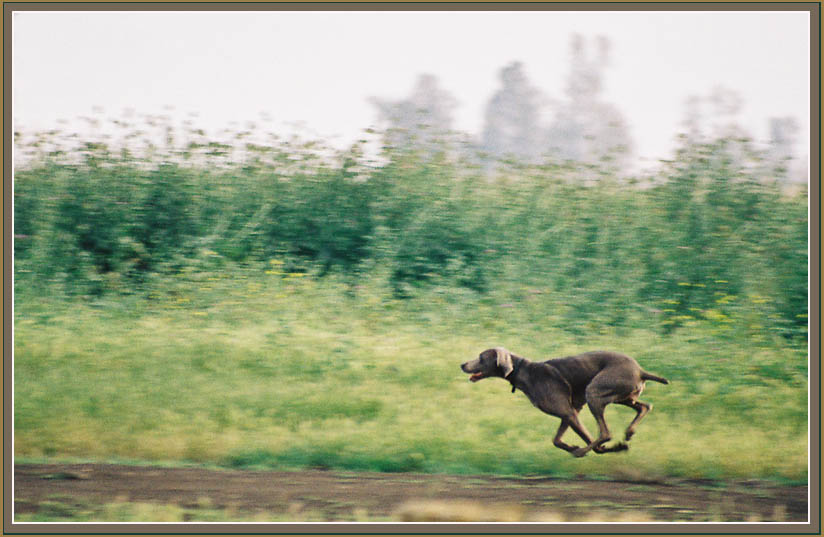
693	120
512	127
585	128
422	121
713	116
783	136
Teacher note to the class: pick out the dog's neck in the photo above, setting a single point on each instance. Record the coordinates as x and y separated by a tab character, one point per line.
517	362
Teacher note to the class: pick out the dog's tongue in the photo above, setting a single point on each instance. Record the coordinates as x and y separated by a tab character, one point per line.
475	377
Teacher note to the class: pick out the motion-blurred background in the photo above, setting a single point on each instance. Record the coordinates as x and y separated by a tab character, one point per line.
269	239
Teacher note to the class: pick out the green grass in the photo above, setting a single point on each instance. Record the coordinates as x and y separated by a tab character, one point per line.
247	369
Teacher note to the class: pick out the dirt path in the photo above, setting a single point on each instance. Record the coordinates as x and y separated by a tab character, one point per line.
337	495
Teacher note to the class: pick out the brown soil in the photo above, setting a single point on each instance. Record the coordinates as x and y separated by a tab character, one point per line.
346	496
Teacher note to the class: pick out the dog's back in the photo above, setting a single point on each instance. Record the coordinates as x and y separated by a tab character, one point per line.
579	369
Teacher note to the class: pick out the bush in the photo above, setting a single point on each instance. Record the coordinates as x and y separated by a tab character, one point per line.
710	238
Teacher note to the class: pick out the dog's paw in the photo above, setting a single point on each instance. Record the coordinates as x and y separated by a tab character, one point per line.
579	452
620	446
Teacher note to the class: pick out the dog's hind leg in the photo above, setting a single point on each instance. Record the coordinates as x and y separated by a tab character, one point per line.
603	390
642	410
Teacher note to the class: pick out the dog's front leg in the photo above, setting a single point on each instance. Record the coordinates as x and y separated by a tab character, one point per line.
557	442
579	428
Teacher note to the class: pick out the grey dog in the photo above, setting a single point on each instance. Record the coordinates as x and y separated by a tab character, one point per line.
560	387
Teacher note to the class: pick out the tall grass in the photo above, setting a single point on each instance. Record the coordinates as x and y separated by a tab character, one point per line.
294	307
713	236
255	370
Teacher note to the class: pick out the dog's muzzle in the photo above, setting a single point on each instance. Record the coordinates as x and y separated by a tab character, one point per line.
474	377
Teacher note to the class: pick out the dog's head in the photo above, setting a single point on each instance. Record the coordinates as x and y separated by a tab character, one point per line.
495	362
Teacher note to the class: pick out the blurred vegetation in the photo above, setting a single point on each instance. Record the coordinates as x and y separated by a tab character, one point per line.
706	238
276	303
270	369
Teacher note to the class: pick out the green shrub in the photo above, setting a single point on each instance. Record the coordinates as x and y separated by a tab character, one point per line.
710	238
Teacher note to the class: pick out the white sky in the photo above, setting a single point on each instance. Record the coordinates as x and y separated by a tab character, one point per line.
319	68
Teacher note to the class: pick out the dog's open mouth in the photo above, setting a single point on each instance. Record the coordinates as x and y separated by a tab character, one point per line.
475	377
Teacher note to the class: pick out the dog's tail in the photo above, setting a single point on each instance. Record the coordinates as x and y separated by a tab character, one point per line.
656	378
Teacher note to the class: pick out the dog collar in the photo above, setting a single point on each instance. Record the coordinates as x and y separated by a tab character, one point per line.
515	368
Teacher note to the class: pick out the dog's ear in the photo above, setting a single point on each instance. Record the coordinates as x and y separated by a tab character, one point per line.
504	360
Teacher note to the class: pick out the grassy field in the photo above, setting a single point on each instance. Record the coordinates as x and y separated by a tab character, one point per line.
264	368
289	306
